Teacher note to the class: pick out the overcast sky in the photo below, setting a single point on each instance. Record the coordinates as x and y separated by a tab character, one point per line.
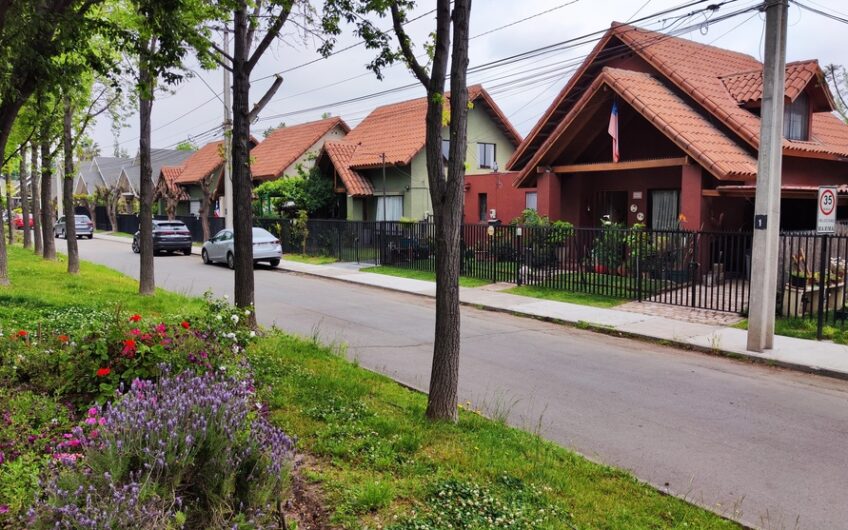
523	90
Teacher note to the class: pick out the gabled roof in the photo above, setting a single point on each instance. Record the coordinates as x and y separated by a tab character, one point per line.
167	183
398	130
340	154
109	169
747	87
286	145
202	163
158	158
713	81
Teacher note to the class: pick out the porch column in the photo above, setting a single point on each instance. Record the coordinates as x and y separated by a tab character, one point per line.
549	195
691	199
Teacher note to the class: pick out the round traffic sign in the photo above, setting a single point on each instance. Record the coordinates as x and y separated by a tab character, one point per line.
827	202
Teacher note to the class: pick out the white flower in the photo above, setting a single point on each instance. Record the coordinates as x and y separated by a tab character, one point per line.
247	312
235	319
226	297
252	333
219	317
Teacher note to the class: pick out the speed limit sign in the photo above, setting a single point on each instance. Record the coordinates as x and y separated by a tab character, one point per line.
826	217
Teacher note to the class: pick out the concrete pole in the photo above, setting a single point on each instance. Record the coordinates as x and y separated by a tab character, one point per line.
228	136
764	253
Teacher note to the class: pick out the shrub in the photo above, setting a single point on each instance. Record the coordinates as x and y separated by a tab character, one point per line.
187	449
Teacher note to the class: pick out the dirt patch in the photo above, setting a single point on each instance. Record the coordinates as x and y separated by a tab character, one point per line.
306	505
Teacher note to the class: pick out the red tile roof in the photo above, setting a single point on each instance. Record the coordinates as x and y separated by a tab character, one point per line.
712	77
167	183
747	88
399	130
340	154
202	163
284	146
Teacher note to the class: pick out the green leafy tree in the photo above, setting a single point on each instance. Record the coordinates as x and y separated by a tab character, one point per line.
449	45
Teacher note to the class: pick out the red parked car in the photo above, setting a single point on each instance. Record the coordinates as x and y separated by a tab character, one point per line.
19	221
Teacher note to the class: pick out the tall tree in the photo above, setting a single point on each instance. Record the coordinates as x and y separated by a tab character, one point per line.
31	35
838	80
270	16
446	190
47	210
23	179
35	179
163	31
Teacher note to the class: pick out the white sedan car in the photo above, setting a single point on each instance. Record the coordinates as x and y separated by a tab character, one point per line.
221	248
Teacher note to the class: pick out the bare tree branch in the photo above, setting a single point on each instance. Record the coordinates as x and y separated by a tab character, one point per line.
18	149
406	47
257	108
251	30
270	35
222	53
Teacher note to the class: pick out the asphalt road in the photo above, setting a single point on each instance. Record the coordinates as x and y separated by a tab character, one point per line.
765	446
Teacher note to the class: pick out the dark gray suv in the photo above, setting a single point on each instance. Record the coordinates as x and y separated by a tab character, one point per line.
83	225
168	236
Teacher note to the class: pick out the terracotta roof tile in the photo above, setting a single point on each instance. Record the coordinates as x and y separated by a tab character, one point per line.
168	176
694	134
399	130
204	161
715	79
284	146
747	88
340	154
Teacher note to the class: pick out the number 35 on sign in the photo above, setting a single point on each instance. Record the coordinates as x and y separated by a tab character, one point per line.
826	210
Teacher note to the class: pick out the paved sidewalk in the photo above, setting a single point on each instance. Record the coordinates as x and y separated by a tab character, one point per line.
825	358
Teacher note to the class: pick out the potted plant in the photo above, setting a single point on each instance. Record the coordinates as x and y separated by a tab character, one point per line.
609	250
799	273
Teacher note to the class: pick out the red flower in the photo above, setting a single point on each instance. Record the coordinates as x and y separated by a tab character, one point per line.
185	324
135	318
135	332
103	372
22	333
64	338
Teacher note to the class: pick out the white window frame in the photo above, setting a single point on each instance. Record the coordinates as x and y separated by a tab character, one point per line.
531	197
393	212
483	161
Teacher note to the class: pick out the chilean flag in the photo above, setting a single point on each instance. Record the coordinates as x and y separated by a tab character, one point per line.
613	131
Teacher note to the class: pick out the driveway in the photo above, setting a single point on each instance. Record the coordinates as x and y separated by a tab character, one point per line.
764	446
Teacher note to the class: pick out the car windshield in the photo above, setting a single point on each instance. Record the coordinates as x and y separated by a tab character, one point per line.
171	226
261	233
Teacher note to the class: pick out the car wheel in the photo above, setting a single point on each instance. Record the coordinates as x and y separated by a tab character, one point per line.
274	262
90	236
187	251
231	260
205	257
135	246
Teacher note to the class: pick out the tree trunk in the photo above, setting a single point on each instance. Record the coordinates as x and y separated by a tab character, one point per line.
447	198
8	114
9	221
4	268
242	188
47	214
112	210
203	211
35	177
68	188
171	210
23	176
146	283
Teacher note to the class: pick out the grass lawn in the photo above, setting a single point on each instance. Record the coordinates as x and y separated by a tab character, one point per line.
375	460
464	281
804	328
559	295
313	260
40	287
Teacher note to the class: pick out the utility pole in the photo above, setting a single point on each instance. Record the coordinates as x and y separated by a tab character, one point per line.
769	168
228	140
383	157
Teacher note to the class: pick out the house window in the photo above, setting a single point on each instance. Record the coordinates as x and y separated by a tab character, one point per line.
483	207
486	155
531	201
393	207
796	119
194	207
446	150
665	208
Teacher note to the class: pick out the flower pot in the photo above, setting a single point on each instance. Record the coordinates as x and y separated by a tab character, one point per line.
798	281
601	269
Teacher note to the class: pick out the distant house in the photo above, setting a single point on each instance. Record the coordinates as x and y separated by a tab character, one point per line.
283	150
99	172
688	128
396	133
129	182
199	176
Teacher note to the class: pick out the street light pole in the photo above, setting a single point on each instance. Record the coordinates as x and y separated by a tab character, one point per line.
769	167
383	157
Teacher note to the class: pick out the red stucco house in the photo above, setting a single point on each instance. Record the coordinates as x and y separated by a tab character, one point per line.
688	136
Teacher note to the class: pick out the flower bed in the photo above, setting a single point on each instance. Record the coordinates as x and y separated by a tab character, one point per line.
116	420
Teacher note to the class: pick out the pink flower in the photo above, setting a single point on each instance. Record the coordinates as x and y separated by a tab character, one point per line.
4	508
92	411
136	332
101	421
91	421
160	328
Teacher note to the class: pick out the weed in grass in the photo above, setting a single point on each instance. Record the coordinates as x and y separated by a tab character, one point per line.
371	497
